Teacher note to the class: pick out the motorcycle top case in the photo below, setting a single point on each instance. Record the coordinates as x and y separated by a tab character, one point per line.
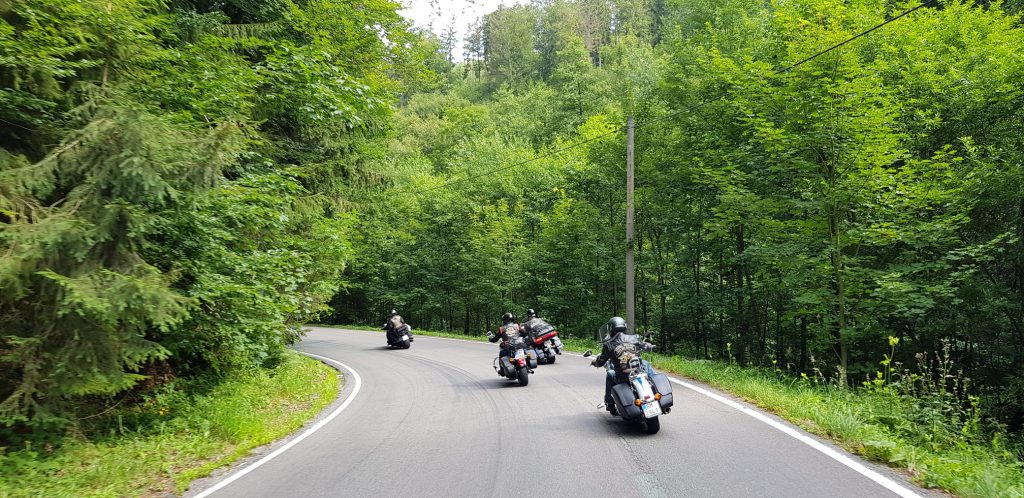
623	396
663	387
544	332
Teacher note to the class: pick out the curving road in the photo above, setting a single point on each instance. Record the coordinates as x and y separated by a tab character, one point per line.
436	420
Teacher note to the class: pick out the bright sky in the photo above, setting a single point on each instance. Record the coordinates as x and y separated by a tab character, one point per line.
438	14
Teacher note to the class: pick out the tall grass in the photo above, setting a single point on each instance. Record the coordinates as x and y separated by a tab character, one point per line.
160	446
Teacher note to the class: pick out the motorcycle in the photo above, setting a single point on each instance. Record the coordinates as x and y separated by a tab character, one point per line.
643	398
520	364
545	341
399	337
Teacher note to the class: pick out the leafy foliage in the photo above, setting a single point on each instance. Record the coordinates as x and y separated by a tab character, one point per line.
174	186
790	215
182	184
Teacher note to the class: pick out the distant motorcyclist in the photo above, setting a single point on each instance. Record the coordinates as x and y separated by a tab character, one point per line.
507	331
395	322
531	322
617	343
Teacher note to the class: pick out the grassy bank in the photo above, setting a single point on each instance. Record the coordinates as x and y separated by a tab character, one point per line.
161	445
939	442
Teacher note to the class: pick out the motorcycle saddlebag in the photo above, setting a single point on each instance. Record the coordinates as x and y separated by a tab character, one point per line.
664	387
531	358
624	398
506	366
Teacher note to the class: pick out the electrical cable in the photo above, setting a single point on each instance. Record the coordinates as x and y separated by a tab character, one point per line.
672	114
797	64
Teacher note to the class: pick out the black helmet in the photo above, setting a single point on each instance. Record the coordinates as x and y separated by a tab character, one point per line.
507	318
393	312
530	313
617	325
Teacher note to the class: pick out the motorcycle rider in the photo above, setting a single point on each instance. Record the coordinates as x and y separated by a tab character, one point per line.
395	321
531	322
508	329
618	341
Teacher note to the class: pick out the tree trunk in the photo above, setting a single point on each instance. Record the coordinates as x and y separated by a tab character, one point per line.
742	323
803	344
840	292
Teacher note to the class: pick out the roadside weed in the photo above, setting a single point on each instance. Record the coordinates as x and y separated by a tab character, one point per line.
161	445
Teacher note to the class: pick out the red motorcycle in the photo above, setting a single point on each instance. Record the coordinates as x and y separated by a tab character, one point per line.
544	339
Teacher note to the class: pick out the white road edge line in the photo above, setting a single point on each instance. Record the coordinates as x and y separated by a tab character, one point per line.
293	442
831	453
789	431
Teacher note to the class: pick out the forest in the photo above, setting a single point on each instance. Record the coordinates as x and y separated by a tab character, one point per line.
175	187
185	183
866	205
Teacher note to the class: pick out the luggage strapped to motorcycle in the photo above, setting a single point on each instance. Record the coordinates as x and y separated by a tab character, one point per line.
545	331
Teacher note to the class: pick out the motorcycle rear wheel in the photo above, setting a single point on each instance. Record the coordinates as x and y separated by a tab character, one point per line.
652	425
524	376
551	359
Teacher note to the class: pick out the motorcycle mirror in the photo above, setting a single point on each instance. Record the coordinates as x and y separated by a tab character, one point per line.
588	353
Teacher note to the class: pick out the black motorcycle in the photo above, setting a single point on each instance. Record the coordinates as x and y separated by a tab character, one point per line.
544	340
398	337
519	364
643	397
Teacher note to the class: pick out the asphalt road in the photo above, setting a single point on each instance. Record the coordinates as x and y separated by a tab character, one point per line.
436	420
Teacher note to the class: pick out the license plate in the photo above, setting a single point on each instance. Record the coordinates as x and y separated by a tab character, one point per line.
405	337
520	355
652	409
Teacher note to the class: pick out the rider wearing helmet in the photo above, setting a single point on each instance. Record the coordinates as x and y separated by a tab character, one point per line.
531	321
618	341
509	328
395	321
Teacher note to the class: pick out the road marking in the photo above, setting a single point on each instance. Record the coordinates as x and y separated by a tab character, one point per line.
293	442
785	429
813	443
649	486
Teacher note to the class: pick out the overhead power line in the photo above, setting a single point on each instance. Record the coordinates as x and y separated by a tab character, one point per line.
15	124
795	65
684	110
858	35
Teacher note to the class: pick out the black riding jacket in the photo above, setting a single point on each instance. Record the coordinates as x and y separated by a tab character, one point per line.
389	325
617	347
506	332
533	325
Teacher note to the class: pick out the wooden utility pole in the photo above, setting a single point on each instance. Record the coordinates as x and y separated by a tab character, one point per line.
630	291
